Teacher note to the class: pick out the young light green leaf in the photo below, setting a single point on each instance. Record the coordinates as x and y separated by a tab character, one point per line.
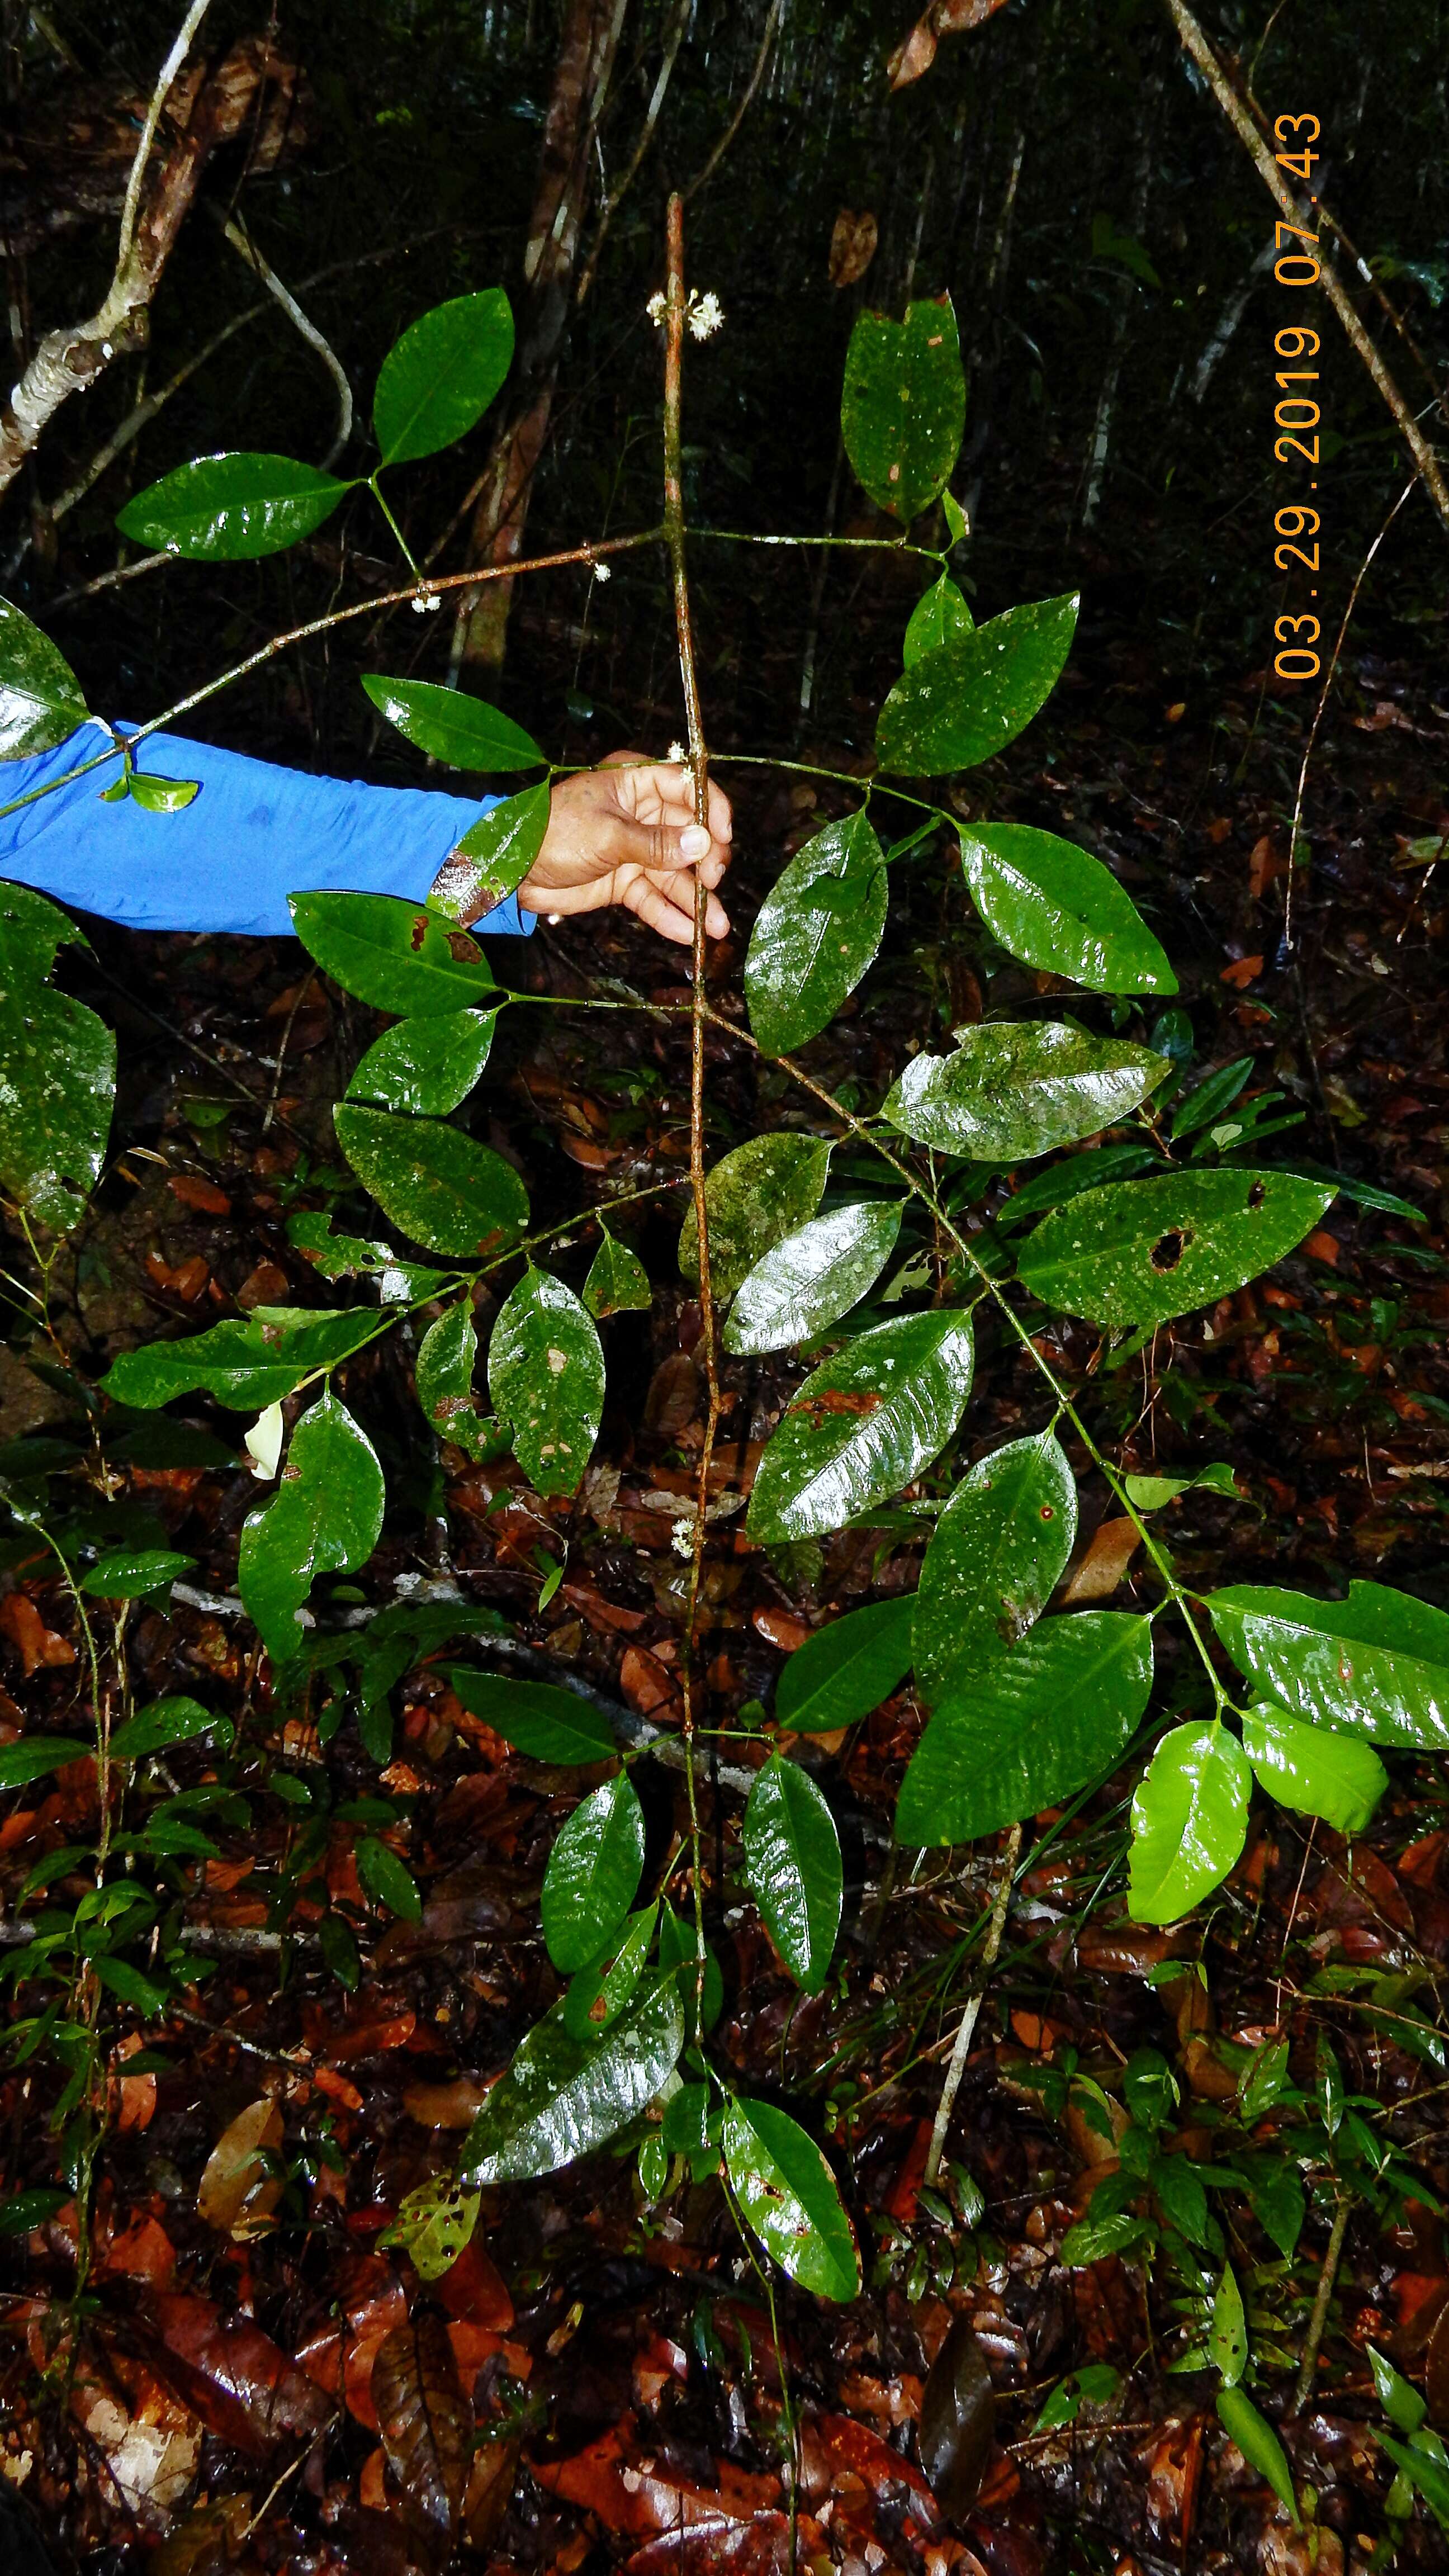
1142	1252
793	1868
957	523
1313	1771
971	697
863	1425
166	1722
752	1198
813	1277
441	376
618	1283
1015	1088
156	795
546	1379
1033	1725
435	1183
434	2225
387	1880
425	1067
940	615
1376	1665
40	696
447	1355
788	2195
1189	1821
592	1874
847	1668
816	932
325	1517
57	1065
34	1757
1400	2400
903	404
245	1362
127	1573
399	956
599	1992
1228	2330
230	509
548	1724
996	1556
1057	908
1150	1493
501	847
450	726
562	2096
1259	2445
1425	2472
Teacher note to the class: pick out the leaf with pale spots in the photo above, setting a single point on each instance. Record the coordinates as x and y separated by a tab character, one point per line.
546	1379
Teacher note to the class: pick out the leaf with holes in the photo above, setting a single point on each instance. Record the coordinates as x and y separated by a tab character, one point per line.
863	1425
1033	1725
435	1183
546	1379
1376	1665
245	1363
1189	1821
997	1554
425	1067
501	847
546	1723
562	2096
1142	1252
788	2195
325	1518
451	727
904	404
57	1067
618	1283
447	1355
940	615
1313	1771
441	376
434	2225
40	697
971	697
1015	1088
813	1277
592	1874
816	932
232	508
793	1868
847	1668
1057	908
752	1198
398	956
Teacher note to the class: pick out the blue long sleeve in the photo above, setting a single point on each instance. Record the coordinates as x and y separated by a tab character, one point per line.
253	835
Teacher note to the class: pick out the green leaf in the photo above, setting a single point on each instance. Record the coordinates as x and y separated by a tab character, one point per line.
166	1722
788	2195
1401	2402
142	1992
618	1283
863	1426
677	1950
1142	1252
847	1668
904	404
1189	1821
502	845
1227	2338
1276	2198
1259	2445
399	956
245	1363
1313	1771
1032	1726
562	2096
387	1880
996	1556
434	2224
57	1067
793	1868
940	615
1150	2089
449	726
957	523
1057	908
816	932
436	1184
546	1379
592	1874
548	1724
599	1992
1425	2473
752	1198
33	1757
26	2209
1058	1182
1092	2240
325	1517
958	705
425	1067
441	376
1150	1493
1093	2385
125	1573
813	1277
1210	1098
232	508
447	1355
40	696
1181	2197
1015	1088
161	795
1376	1664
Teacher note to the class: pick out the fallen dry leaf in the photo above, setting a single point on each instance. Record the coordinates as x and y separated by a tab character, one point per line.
239	2190
1112	1548
36	1644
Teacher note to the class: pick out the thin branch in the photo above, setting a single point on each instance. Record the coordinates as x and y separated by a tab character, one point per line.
241	240
162	91
612	202
1318	2320
777	11
967	2029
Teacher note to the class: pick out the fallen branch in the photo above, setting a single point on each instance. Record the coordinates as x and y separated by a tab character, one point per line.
967	2031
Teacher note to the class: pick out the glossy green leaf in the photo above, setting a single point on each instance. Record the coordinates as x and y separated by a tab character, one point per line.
1189	1821
562	2096
813	1277
167	1721
1275	2197
546	1379
816	932
436	1184
958	705
903	405
1425	2472
847	1668
1259	2444
997	1554
1015	1088
447	1355
863	1426
1094	2240
399	956
425	1067
1210	1098
677	1949
128	1983
1057	908
40	696
231	508
1033	1725
548	1724
441	376
247	1362
593	1873
1313	1771
325	1517
787	2193
793	1868
1141	1252
34	1757
501	847
157	795
1227	2338
462	732
599	1992
387	1880
1150	1493
940	615
126	1573
1400	2400
752	1198
1376	1664
57	1067
618	1283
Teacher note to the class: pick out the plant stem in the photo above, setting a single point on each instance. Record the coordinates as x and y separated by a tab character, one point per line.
890	545
1319	2318
991	1949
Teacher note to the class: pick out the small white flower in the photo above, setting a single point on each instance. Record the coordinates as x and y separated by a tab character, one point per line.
603	572
656	308
264	1443
705	315
681	1538
678	754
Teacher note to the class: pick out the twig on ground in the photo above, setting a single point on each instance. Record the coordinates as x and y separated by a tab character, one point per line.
990	1952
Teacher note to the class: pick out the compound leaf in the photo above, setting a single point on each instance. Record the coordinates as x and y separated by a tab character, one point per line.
971	697
940	615
903	405
788	2194
398	956
1015	1088
847	1668
232	508
247	1362
40	696
563	2096
813	1276
447	1356
618	1283
449	726
57	1065
593	1873
1312	1770
441	376
753	1197
546	1723
1189	1821
1057	908
1376	1665
425	1067
435	1183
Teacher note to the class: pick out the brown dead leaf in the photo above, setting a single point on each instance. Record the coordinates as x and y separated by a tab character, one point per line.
36	1644
233	2376
1113	1546
643	1680
917	51
202	1196
187	1280
1242	972
207	2541
267	1285
422	2416
238	2190
852	246
1263	866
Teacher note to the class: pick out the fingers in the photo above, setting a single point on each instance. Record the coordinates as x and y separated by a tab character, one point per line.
662	791
665	847
672	913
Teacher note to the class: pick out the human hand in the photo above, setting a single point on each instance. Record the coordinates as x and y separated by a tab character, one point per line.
626	833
